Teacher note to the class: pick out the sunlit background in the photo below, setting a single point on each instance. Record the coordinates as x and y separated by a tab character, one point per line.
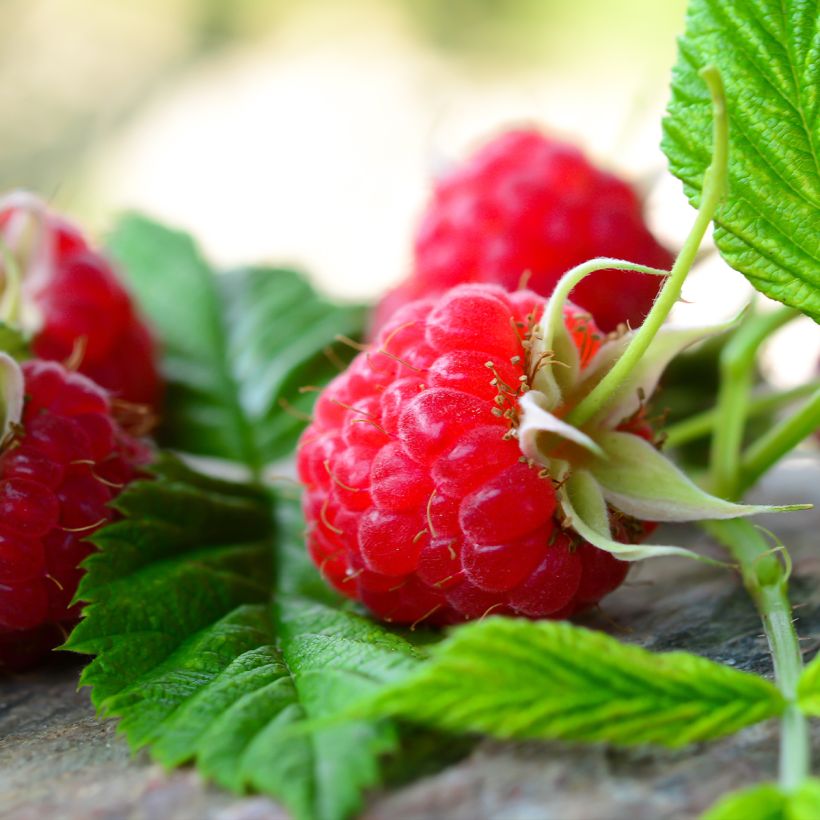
308	132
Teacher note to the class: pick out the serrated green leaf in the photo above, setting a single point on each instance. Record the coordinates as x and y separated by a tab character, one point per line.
237	346
185	555
768	53
520	679
768	802
808	688
191	659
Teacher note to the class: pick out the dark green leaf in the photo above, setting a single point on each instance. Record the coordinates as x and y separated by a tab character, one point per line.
193	662
768	802
519	679
768	52
237	347
188	552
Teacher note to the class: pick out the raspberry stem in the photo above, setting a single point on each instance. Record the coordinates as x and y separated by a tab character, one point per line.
766	581
715	182
705	423
737	360
778	441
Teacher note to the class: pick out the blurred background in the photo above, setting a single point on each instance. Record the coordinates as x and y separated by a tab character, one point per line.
307	132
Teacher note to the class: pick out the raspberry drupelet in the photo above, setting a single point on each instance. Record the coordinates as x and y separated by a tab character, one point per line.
528	205
75	305
59	470
418	500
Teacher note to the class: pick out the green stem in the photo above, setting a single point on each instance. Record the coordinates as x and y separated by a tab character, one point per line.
737	361
777	442
714	188
703	424
767	583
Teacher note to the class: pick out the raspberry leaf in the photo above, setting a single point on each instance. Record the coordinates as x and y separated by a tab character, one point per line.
768	53
808	688
11	394
523	679
198	667
768	802
237	347
640	481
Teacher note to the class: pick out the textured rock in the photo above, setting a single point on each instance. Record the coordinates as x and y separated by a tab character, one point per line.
57	760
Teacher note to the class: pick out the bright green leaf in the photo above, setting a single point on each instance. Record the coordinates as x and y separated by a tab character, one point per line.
523	679
768	53
237	347
808	688
768	802
197	668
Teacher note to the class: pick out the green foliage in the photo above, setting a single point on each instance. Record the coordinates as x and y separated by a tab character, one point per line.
768	802
237	347
187	553
192	660
768	52
808	688
520	679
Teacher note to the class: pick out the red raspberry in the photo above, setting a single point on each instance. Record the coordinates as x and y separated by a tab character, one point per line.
76	305
58	473
418	500
527	204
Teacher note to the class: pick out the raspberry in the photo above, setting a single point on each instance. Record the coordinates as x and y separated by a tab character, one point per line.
76	306
418	500
66	462
527	204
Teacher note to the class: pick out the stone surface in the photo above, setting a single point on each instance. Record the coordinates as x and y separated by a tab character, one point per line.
58	761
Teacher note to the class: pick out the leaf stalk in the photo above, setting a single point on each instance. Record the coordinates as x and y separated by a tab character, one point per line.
766	581
704	424
737	360
715	183
779	441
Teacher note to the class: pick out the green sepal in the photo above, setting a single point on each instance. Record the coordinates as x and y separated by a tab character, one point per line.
15	342
643	379
12	392
538	430
585	510
640	481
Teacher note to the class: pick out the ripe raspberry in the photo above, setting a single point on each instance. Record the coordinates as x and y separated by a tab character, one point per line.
76	305
526	204
418	500
58	474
